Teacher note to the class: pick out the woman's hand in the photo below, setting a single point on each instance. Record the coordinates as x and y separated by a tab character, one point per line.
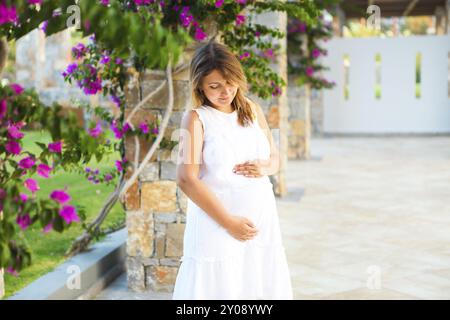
252	169
241	228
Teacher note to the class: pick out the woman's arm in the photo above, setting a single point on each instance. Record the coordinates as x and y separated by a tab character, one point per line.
188	166
272	165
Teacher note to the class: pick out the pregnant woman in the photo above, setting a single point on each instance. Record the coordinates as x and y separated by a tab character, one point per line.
232	243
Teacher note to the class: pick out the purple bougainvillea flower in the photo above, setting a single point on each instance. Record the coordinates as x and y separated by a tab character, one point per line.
309	71
199	34
143	2
55	147
43	170
269	53
108	177
144	127
116	100
241	1
240	19
23	197
244	55
96	131
79	50
185	17
155	130
44	26
60	196
13	147
118	61
92	87
277	91
126	127
119	165
69	214
12	271
115	129
27	163
70	69
14	131
315	53
219	3
3	109
34	1
23	221
31	185
7	14
104	2
18	89
47	228
105	59
302	27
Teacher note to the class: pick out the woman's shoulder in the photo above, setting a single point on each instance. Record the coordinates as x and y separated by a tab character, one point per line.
194	116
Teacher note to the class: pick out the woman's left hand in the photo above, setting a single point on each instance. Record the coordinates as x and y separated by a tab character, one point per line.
251	169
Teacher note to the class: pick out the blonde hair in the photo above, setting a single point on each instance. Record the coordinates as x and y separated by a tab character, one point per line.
215	56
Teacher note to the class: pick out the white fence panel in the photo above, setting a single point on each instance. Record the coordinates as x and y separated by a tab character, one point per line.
398	110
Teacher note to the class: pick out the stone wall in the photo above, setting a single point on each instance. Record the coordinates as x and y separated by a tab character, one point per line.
303	104
155	205
276	109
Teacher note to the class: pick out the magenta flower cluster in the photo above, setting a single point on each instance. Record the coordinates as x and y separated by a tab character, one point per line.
93	175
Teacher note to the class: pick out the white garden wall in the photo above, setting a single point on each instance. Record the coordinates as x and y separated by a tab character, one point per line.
398	110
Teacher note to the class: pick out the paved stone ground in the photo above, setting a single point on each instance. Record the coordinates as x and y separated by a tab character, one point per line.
366	218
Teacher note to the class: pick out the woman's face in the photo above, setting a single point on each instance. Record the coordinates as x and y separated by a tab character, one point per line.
218	91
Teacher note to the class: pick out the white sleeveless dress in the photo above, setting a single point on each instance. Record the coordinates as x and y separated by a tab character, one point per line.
215	265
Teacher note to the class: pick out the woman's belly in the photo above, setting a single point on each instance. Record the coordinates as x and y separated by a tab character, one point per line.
208	239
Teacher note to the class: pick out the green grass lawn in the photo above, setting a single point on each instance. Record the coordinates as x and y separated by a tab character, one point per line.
48	249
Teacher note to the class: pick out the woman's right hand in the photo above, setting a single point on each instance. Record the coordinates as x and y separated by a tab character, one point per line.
241	228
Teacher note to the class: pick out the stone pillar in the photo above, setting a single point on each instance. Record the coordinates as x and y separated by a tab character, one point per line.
155	205
441	20
30	59
277	109
338	22
299	135
40	59
300	117
39	63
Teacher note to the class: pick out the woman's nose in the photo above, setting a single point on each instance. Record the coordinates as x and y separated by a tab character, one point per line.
227	91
